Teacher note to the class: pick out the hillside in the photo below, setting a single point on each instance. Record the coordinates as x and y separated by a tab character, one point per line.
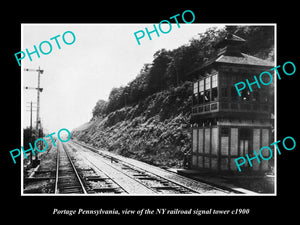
149	118
155	131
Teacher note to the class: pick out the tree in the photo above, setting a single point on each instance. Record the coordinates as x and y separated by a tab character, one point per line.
100	108
231	29
170	68
114	99
260	40
156	78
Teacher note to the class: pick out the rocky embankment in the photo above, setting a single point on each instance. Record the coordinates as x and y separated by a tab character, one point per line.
155	130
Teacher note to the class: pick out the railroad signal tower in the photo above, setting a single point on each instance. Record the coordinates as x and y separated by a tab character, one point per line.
224	125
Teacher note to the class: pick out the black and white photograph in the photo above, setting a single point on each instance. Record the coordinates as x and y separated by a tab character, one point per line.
166	119
137	112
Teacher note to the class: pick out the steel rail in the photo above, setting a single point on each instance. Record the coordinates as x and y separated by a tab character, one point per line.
140	170
73	167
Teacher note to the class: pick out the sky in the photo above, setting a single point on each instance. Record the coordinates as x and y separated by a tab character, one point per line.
76	76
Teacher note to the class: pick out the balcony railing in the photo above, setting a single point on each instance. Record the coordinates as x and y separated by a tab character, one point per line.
231	107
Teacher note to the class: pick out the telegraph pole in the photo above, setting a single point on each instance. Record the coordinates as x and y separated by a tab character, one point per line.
39	89
31	109
38	102
31	136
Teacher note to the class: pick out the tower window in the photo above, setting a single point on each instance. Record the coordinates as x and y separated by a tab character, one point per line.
245	95
196	88
207	83
255	96
214	90
201	91
207	90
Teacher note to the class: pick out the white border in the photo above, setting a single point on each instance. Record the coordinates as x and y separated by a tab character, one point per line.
157	195
22	116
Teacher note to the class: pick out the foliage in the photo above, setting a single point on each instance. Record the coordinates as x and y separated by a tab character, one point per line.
148	118
153	131
171	68
260	40
100	108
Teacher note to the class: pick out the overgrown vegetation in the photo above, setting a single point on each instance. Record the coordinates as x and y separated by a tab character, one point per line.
148	118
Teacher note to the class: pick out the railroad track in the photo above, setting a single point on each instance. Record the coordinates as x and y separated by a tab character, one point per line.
82	169
134	181
148	182
67	180
94	182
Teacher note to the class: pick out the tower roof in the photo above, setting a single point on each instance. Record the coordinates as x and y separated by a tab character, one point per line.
229	52
230	40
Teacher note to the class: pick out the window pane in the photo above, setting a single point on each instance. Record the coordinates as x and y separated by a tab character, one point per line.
214	78
196	87
195	99
207	96
201	85
214	94
214	81
255	96
201	97
264	97
245	95
207	83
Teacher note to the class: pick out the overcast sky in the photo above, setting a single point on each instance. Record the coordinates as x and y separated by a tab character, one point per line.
76	76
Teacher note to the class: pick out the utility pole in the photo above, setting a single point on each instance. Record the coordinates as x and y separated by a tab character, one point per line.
39	89
31	136
31	117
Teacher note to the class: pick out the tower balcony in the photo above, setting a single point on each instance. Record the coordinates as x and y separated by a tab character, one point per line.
232	109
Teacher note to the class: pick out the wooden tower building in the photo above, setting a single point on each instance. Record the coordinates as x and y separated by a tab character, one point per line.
225	125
